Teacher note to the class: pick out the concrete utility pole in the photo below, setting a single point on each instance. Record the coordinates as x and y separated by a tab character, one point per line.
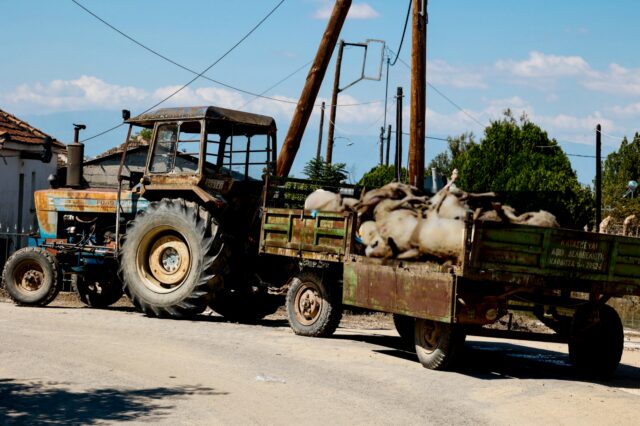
312	86
334	104
319	150
418	94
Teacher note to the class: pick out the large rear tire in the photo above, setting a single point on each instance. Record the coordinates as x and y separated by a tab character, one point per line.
597	340
172	259
438	344
313	308
99	290
32	277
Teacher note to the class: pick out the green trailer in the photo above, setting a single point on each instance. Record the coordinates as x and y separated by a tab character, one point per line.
563	277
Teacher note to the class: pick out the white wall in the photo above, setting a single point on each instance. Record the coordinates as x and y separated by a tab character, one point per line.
36	176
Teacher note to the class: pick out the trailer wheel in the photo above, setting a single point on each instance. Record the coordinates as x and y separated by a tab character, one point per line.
313	308
405	326
438	344
99	291
597	340
172	259
32	277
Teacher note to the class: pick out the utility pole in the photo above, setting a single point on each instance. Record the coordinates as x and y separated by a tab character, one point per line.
319	150
398	162
418	94
334	104
309	93
386	161
598	176
381	145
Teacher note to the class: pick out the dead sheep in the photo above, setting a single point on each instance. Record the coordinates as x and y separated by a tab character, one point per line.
540	218
397	229
327	201
439	237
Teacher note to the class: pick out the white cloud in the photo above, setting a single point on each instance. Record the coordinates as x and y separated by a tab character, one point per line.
358	11
631	110
541	65
442	73
617	80
83	93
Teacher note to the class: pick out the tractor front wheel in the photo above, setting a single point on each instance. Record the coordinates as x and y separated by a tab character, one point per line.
32	277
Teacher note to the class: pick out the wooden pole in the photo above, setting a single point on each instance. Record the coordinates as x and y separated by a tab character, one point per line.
381	145
334	104
311	88
598	176
418	94
319	149
386	160
398	162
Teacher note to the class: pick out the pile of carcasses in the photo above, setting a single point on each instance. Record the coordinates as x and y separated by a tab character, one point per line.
396	221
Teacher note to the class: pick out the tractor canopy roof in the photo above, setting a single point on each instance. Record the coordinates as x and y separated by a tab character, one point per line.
221	119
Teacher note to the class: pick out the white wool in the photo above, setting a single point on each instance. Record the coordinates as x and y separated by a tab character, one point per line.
541	218
368	232
453	208
378	248
441	237
398	226
323	200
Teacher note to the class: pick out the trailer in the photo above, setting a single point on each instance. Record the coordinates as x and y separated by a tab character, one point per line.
563	277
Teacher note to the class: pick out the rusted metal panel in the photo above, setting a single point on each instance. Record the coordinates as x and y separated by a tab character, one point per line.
294	232
50	202
407	288
536	256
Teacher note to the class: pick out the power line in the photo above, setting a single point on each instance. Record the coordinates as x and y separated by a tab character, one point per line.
404	31
185	68
255	27
438	91
277	84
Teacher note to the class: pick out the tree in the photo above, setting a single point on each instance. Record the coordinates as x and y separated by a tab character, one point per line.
618	169
144	134
517	159
381	175
330	174
445	162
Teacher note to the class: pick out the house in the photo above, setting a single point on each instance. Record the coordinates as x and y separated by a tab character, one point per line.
27	158
102	171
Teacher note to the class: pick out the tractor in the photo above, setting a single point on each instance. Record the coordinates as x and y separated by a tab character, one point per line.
179	239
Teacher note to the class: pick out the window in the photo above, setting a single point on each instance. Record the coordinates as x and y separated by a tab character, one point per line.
177	148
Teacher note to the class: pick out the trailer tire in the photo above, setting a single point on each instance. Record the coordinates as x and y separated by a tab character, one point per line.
314	309
438	344
405	326
32	277
99	292
597	340
173	259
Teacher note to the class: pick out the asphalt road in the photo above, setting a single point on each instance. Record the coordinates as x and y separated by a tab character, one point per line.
82	366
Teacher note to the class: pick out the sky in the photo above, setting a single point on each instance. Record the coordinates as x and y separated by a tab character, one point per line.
569	65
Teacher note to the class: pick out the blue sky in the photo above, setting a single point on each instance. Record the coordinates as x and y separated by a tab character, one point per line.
569	65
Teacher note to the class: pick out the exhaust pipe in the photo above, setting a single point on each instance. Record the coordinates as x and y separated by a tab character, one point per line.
75	158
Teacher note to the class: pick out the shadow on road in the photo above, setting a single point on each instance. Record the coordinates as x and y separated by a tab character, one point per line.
499	360
23	402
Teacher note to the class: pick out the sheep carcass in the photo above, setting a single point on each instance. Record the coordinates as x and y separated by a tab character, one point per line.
439	237
541	218
327	201
397	230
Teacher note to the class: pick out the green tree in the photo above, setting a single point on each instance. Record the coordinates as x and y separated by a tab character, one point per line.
517	159
445	162
618	169
145	134
330	174
381	175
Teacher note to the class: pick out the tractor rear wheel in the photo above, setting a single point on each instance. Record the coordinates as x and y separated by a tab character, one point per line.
32	277
172	259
